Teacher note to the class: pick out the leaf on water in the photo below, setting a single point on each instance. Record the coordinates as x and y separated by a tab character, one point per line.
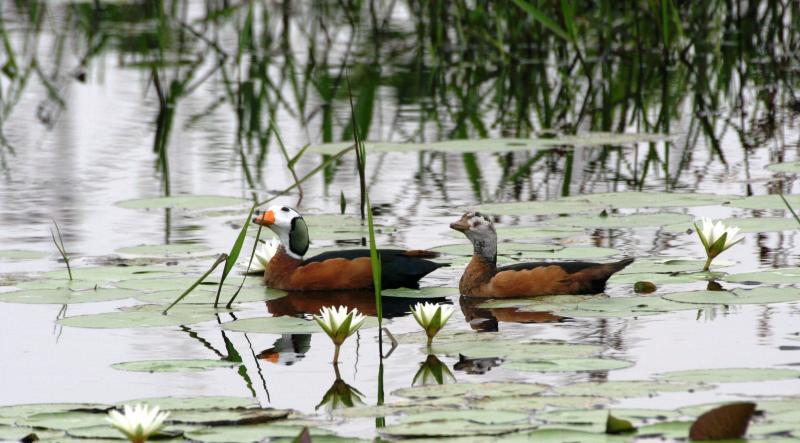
249	433
636	199
625	388
785	167
644	287
762	295
182	202
625	221
282	325
730	375
21	254
543	207
27	410
772	201
143	316
770	276
205	294
163	250
723	423
616	425
227	417
194	403
64	420
569	365
184	365
453	428
514	349
65	296
492	389
477	416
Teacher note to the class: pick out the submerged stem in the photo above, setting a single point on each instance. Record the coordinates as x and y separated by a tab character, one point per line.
430	340
336	355
708	263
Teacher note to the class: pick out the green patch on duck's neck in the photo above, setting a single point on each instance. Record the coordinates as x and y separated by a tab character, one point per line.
298	237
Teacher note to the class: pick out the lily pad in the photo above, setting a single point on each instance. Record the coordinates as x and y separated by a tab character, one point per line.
21	254
75	285
533	232
17	433
636	199
537	402
730	375
163	250
200	402
282	325
249	433
27	410
569	365
182	202
64	296
113	273
188	365
540	207
572	253
772	201
787	167
737	297
513	349
64	420
667	430
496	389
634	304
102	433
427	292
477	416
174	282
669	265
626	221
452	428
660	278
206	294
227	417
624	388
771	276
143	316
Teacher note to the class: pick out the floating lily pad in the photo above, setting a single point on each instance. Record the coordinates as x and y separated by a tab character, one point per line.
188	365
452	428
669	265
738	296
206	294
65	296
787	167
113	273
477	416
624	388
143	316
201	402
533	232
497	389
730	375
569	365
625	221
667	430
428	292
178	282
282	325
635	199
227	417
21	254
102	433
542	207
27	410
17	433
747	225
513	349
163	250
572	436
661	278
75	285
249	433
771	276
538	402
772	201
572	253
64	420
634	304
182	202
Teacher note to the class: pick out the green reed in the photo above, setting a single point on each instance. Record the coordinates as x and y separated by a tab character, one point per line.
60	246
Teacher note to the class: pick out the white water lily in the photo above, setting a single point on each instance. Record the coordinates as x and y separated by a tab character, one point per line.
264	254
339	323
431	317
139	422
716	238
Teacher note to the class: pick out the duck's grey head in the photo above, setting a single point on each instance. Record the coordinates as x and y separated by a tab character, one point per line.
479	229
290	228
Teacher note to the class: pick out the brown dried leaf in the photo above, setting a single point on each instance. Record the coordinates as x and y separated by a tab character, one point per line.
722	423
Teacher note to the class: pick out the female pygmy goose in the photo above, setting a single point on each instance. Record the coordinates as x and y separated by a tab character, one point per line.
482	277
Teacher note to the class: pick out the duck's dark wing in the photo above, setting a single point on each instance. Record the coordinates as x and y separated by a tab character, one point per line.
400	268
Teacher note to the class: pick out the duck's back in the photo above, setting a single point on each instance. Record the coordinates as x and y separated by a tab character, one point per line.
399	268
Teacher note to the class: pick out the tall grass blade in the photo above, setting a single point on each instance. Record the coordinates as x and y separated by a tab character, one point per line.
542	18
361	152
325	164
60	246
342	202
221	259
788	206
234	254
249	263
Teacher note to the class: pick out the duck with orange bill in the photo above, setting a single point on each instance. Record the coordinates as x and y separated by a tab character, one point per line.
334	270
482	277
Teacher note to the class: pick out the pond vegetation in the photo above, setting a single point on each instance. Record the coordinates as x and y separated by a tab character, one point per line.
148	133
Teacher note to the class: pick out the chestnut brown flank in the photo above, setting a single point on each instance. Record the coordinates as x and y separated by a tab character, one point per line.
285	272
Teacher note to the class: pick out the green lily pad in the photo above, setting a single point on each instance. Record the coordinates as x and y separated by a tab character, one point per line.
771	201
737	297
178	282
594	420
17	433
635	199
21	254
227	417
667	430
624	388
163	250
65	296
64	420
625	221
113	273
538	402
730	375
206	294
428	292
188	365
660	278
143	316
282	325
182	202
249	433
573	253
532	232
771	276
634	304
540	207
747	225
568	435
569	365
90	434
495	389
787	167
513	349
27	410
477	416
191	403
450	428
669	265
75	285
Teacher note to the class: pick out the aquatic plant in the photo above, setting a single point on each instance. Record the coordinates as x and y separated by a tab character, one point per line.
433	372
339	323
60	246
264	254
716	238
139	422
432	317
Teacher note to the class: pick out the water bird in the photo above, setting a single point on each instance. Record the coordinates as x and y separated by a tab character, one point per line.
334	270
482	277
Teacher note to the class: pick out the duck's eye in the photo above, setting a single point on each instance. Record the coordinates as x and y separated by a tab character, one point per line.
478	214
285	209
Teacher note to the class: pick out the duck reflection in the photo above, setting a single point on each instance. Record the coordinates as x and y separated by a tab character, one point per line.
287	350
310	302
480	365
340	395
488	319
433	372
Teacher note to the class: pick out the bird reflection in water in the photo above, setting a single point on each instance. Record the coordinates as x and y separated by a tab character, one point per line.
291	348
488	319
